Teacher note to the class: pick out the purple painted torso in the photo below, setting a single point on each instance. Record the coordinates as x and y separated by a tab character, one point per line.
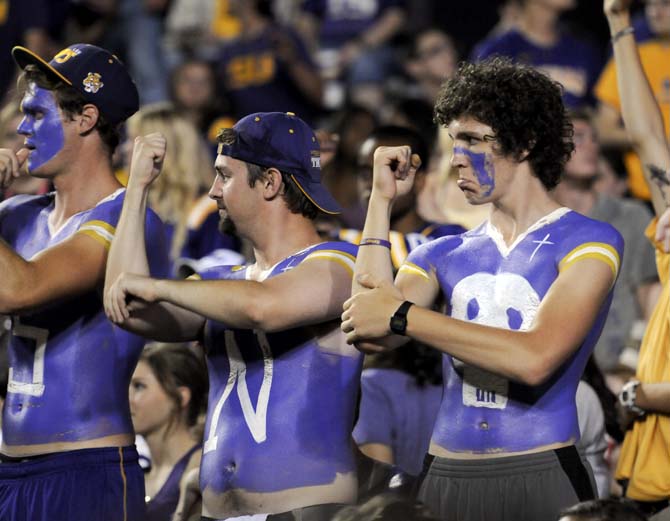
486	282
281	405
69	366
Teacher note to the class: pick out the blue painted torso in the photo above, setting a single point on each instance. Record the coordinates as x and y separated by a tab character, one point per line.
486	282
69	366
281	405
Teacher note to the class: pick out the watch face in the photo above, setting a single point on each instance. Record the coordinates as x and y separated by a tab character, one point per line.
398	324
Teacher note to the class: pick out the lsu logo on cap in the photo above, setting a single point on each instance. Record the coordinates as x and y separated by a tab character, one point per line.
66	54
316	158
92	82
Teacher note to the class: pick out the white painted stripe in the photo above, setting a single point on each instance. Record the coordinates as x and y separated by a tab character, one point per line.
595	249
105	234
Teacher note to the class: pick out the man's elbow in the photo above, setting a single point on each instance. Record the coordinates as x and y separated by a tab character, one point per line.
16	298
536	371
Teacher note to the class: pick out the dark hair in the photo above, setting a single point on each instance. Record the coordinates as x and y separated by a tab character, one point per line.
295	199
404	135
72	102
523	107
175	366
605	510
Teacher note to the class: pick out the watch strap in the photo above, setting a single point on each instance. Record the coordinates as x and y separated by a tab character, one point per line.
398	322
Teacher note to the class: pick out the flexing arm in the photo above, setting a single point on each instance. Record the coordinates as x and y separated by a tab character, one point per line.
316	290
563	319
393	174
641	114
128	251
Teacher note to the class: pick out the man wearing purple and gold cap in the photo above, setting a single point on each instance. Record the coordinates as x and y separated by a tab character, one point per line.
67	437
283	384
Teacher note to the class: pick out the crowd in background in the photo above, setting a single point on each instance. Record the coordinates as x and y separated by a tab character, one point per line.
361	70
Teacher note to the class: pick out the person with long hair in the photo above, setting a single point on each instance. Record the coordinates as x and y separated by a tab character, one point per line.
168	396
186	170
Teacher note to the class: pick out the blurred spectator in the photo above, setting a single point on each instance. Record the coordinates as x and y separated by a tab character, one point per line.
612	179
538	39
592	441
195	28
354	44
652	32
193	92
602	510
433	60
168	397
637	287
348	128
401	393
22	22
138	31
187	169
268	67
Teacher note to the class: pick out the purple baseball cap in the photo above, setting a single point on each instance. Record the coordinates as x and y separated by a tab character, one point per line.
96	73
283	141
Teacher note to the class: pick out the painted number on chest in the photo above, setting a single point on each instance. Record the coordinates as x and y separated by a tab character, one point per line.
483	389
256	419
39	336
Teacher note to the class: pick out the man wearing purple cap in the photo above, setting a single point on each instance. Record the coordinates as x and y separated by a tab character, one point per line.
67	437
283	383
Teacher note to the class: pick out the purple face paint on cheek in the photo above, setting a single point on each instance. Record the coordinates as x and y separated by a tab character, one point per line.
483	168
41	125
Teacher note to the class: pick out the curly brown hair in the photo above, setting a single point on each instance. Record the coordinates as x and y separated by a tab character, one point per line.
523	107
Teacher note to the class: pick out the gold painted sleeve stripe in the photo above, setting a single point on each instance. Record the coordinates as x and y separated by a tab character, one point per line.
593	250
398	249
97	236
412	269
341	258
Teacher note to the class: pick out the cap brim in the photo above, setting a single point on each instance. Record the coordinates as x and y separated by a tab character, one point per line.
24	57
319	196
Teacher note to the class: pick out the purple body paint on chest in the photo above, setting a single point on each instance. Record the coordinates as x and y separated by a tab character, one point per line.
483	168
42	126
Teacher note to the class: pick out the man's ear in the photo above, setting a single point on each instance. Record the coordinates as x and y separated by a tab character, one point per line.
88	118
272	183
525	153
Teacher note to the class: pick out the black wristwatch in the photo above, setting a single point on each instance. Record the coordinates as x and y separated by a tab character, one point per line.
399	319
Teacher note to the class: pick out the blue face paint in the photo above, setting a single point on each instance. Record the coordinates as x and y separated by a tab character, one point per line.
42	126
483	168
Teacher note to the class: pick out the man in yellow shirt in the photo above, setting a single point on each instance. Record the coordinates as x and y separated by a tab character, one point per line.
645	455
